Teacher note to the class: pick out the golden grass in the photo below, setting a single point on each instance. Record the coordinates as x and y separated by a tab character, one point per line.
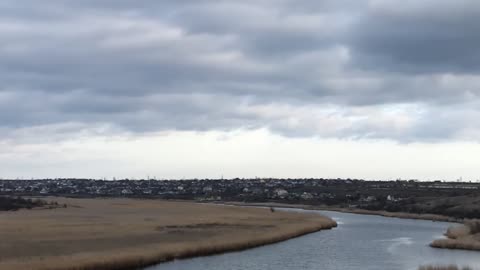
466	236
125	234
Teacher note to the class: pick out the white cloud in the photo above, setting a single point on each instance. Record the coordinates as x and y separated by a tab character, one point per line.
238	153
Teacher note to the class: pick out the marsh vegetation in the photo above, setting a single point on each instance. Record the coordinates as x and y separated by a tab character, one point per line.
465	236
125	234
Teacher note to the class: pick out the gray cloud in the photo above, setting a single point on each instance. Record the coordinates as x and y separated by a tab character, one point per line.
422	36
345	69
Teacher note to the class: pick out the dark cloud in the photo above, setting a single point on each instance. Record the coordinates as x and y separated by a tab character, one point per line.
426	37
348	69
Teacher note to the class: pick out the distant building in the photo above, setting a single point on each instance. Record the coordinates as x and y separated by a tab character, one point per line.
282	193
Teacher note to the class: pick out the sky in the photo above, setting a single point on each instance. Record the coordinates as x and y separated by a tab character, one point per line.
373	89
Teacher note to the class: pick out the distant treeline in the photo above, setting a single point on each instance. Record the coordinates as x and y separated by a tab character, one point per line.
15	203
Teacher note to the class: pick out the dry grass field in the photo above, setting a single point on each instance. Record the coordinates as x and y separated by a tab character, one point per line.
126	233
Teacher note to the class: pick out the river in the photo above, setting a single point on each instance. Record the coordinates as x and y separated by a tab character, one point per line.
359	242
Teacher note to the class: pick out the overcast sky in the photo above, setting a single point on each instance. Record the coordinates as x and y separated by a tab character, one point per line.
271	88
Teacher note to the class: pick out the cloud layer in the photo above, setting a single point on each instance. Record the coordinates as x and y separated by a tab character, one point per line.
380	69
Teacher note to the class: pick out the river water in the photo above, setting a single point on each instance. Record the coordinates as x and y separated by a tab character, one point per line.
359	242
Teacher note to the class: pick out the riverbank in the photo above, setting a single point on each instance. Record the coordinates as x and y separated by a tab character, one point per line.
114	234
431	217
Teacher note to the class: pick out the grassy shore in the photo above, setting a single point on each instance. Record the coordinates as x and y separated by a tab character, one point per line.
466	236
431	217
119	234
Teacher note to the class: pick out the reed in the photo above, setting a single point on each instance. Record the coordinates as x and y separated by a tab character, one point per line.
465	236
125	234
128	261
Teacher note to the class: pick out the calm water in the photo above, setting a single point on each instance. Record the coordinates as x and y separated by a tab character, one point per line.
359	242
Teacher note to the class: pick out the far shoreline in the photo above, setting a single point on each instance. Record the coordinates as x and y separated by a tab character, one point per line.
401	215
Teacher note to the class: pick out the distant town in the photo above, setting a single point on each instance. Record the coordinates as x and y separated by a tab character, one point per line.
438	197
